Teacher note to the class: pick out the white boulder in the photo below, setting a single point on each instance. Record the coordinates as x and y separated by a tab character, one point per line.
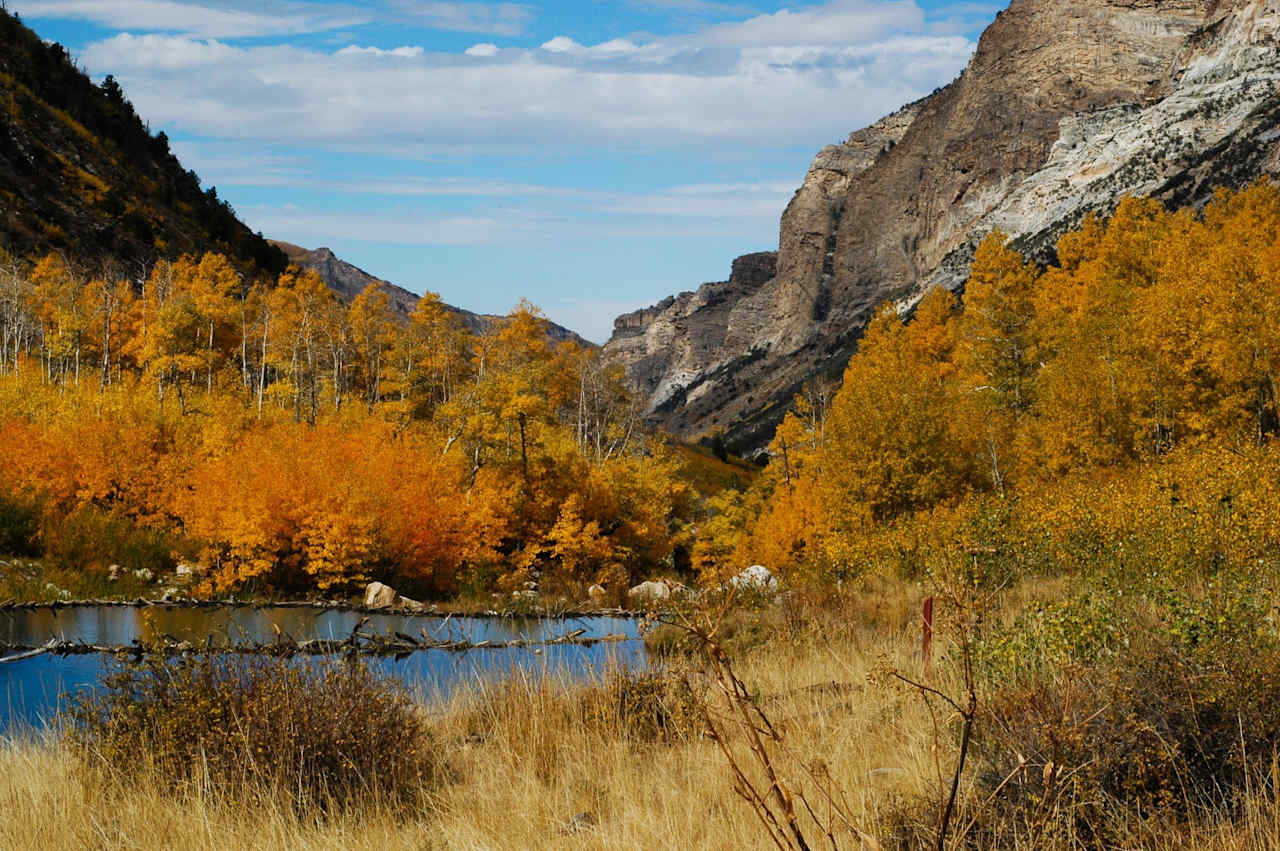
379	596
596	593
755	578
650	592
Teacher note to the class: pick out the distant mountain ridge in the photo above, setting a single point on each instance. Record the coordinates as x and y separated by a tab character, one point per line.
81	173
1065	108
348	281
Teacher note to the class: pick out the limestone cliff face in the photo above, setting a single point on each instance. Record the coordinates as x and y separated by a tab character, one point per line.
683	354
1064	108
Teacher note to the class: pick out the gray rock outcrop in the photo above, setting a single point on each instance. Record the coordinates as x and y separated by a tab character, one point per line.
1064	109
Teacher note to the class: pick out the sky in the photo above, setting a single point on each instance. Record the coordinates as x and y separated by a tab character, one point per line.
593	156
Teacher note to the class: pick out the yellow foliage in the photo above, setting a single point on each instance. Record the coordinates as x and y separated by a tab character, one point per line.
1128	391
493	453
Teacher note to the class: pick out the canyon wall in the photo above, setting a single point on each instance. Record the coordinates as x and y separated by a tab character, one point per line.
1064	109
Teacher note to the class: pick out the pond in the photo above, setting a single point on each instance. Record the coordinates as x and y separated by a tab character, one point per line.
33	689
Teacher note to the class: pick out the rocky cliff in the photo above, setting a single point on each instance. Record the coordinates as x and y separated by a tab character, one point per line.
348	281
1064	108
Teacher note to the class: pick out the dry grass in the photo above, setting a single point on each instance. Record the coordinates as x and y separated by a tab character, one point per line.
545	765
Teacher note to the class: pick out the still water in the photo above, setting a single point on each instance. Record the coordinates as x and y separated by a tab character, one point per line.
32	690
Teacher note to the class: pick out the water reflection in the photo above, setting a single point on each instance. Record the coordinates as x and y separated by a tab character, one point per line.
32	690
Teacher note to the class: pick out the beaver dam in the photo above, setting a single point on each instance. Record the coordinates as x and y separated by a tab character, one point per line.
48	652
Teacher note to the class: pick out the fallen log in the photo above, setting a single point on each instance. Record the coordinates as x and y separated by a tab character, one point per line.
28	654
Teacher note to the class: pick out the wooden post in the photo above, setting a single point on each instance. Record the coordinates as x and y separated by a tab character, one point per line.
926	639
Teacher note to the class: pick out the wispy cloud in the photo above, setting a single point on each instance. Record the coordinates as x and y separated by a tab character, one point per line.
707	201
576	207
196	19
229	19
492	18
223	166
840	22
696	7
312	227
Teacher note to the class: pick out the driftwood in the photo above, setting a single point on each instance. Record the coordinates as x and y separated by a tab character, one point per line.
359	643
29	653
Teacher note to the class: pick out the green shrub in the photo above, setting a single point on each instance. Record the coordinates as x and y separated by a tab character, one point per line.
1047	637
89	539
326	735
19	526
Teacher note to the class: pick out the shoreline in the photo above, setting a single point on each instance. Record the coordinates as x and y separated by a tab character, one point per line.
326	605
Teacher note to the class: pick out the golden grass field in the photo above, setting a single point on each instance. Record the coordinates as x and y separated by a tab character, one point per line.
531	765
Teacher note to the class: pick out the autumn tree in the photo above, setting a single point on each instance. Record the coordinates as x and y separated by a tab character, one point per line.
892	441
373	331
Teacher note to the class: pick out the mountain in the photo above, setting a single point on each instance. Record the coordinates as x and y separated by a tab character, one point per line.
346	280
1064	109
349	281
82	174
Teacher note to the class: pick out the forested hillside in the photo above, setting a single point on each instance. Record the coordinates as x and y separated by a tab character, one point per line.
82	174
1117	406
282	439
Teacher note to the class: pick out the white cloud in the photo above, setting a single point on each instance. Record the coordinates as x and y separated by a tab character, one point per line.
662	93
606	50
484	50
152	53
562	44
397	52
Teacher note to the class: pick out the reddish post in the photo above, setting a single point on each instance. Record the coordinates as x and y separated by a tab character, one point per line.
926	643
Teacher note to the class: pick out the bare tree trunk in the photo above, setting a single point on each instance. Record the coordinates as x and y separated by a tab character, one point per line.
209	369
262	367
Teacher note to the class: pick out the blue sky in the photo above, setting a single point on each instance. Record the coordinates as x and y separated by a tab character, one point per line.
593	156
